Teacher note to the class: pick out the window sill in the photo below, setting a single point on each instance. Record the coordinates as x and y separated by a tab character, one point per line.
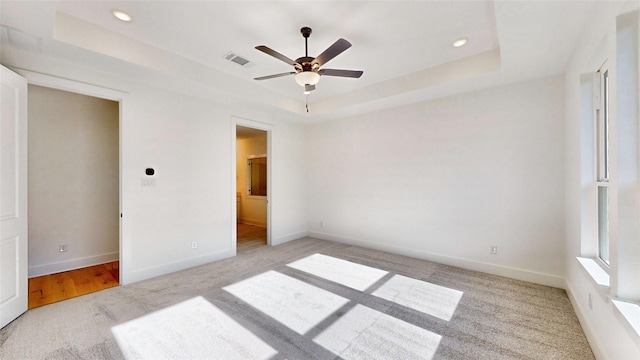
596	272
631	312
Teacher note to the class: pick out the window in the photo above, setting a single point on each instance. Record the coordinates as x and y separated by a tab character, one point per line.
602	168
597	117
257	176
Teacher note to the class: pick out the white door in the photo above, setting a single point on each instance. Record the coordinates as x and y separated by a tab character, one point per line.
13	197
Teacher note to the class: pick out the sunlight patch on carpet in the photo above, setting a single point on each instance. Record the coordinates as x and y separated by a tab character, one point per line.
193	329
364	333
293	303
435	300
347	273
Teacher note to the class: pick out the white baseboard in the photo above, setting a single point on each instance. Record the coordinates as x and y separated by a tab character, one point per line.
595	344
72	264
518	274
150	272
252	222
286	238
154	271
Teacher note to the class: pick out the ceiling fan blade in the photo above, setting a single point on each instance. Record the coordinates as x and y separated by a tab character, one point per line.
274	76
331	52
275	54
341	73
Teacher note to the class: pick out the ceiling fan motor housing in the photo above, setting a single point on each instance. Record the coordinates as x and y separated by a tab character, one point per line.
305	63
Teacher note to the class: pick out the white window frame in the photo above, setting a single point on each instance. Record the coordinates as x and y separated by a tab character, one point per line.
603	164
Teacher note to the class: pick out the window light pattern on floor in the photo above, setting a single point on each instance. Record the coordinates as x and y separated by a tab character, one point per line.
193	329
435	300
364	333
347	273
292	302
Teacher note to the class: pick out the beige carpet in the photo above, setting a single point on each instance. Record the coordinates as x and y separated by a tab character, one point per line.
468	315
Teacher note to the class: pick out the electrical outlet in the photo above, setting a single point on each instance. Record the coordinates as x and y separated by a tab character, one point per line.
148	182
63	248
493	249
194	244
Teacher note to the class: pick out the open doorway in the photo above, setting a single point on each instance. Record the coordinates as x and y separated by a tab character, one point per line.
74	194
251	188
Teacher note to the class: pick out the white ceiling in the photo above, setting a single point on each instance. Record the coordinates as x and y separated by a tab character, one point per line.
403	47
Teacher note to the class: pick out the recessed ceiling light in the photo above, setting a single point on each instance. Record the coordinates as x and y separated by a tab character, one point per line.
121	15
459	42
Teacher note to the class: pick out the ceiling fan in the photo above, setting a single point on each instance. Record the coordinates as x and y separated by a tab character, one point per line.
307	69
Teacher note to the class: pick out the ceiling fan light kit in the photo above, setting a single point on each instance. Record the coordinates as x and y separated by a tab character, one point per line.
307	69
307	78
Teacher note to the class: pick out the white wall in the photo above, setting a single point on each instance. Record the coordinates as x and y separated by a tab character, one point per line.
253	209
188	140
446	179
189	143
73	180
288	201
609	334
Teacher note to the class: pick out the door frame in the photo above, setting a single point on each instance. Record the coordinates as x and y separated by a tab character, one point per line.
53	82
268	128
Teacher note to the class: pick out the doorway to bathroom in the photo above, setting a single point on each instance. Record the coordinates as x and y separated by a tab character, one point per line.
252	163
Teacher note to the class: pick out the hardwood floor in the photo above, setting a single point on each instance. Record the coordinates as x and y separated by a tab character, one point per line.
251	236
52	288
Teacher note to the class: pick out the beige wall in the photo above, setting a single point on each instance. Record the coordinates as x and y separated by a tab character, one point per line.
73	180
253	209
